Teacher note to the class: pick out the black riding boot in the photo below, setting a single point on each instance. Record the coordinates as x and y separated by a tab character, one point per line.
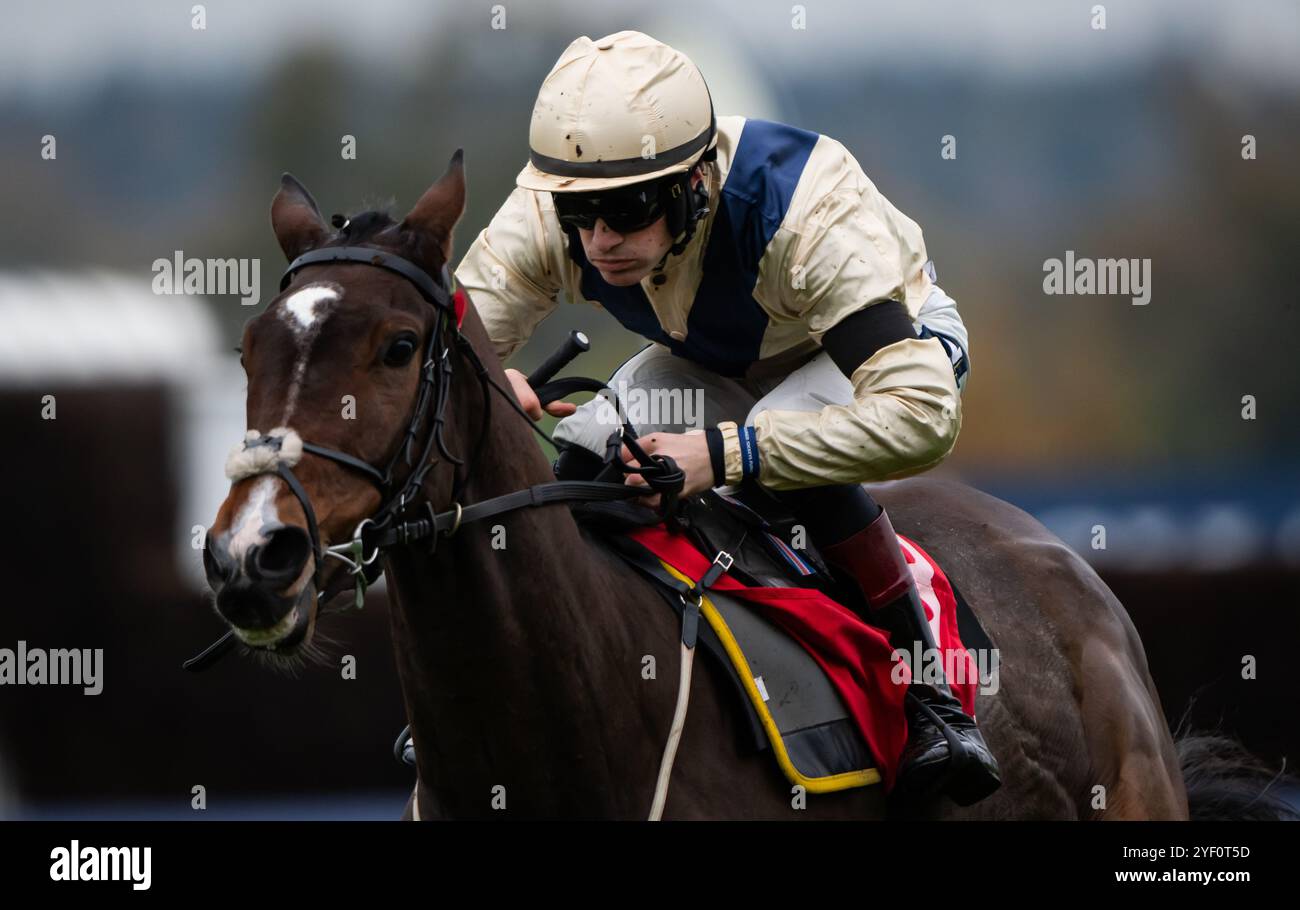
945	750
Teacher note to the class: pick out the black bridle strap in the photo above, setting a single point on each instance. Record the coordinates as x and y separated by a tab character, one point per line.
286	474
345	459
538	495
437	293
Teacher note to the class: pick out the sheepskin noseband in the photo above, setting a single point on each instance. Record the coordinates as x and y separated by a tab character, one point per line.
263	453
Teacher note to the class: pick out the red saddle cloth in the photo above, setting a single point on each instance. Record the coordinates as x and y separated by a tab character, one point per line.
855	656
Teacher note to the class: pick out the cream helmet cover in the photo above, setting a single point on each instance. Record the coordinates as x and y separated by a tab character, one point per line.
616	111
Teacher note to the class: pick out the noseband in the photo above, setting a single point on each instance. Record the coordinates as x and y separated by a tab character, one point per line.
280	450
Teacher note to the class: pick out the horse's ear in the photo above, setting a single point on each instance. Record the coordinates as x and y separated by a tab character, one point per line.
295	219
441	206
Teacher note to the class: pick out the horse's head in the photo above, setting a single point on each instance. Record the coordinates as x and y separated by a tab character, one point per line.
340	375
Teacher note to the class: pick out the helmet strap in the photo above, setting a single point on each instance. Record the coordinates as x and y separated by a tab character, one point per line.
691	205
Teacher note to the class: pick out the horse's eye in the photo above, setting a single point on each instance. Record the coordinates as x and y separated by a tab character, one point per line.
401	351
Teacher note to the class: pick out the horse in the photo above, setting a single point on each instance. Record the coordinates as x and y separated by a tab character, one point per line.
520	643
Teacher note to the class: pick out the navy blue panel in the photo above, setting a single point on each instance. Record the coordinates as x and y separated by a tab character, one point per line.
726	325
764	173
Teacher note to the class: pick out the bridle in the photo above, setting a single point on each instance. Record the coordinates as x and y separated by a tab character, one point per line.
390	525
449	303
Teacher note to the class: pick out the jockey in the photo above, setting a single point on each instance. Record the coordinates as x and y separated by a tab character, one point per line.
765	269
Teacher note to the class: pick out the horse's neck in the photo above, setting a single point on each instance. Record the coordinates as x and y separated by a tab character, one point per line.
499	633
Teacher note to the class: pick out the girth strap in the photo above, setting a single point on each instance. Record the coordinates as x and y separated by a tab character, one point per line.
691	594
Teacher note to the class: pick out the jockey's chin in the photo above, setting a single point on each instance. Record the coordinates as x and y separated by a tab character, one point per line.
623	277
625	259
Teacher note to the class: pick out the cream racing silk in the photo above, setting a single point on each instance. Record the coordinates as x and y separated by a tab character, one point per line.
796	239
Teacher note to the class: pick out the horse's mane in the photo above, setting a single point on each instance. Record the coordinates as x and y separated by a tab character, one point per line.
368	226
363	226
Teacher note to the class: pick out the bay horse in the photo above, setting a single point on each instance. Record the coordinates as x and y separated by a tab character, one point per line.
520	643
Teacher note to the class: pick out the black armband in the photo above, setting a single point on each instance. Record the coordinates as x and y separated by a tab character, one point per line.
717	455
853	340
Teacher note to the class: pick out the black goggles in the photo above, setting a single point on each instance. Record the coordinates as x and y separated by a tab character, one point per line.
624	210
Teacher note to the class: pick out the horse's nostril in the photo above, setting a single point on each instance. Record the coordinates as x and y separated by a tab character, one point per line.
281	558
218	567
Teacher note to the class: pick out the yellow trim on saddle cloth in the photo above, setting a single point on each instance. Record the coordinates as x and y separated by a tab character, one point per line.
829	784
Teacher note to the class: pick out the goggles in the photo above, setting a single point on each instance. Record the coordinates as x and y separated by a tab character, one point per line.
625	210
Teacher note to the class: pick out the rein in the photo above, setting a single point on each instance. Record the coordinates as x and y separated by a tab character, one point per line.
391	525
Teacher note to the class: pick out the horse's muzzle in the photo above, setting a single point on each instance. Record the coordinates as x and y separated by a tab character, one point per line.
259	595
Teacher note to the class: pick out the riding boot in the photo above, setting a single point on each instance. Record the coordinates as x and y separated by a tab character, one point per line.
945	750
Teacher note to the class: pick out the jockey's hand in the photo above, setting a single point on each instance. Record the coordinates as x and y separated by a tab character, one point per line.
529	402
691	452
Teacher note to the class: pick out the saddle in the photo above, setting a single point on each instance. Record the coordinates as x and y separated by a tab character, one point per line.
787	690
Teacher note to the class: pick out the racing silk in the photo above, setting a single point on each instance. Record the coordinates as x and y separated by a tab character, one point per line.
797	238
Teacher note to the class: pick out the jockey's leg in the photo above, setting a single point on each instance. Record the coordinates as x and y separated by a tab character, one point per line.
945	750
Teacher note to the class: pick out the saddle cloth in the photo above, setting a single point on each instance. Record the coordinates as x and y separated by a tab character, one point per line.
818	686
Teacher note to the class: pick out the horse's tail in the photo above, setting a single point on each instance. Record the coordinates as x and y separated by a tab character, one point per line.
1226	782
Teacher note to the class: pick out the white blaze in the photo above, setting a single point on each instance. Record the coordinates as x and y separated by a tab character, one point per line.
301	309
257	511
305	311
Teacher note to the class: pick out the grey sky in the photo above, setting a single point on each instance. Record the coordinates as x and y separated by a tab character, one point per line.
48	45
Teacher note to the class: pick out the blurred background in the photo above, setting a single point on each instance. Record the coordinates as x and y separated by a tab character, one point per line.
1125	141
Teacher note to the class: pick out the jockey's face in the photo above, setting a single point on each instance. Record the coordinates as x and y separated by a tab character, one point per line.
624	259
